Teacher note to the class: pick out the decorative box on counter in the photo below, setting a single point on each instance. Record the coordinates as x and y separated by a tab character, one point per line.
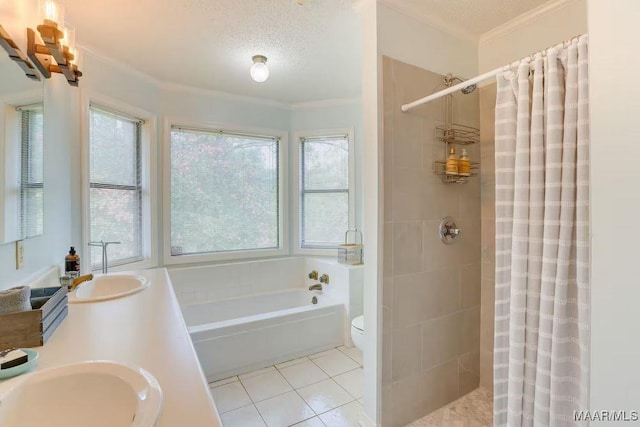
351	253
34	327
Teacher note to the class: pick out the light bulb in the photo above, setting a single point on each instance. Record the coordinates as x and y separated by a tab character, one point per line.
51	12
259	71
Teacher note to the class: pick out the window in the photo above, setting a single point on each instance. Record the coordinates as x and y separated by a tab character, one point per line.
115	186
325	197
31	204
225	192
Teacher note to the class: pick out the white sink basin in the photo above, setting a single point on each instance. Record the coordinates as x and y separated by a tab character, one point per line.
108	287
96	394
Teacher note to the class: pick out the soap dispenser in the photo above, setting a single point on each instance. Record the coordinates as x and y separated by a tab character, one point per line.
72	263
464	164
451	166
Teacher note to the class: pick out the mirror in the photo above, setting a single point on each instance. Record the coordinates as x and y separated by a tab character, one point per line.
21	153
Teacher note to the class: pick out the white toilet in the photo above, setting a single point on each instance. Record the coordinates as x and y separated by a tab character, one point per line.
357	332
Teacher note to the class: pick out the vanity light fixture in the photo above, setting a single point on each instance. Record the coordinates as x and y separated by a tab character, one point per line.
59	44
259	71
17	56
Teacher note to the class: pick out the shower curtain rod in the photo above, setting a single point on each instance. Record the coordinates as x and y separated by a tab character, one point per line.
455	88
475	80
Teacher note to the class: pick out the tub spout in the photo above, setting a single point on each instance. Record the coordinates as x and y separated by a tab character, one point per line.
77	281
316	287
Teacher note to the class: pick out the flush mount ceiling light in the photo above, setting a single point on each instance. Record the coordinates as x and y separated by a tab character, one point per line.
259	71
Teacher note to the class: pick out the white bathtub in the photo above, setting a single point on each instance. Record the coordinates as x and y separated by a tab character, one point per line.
237	335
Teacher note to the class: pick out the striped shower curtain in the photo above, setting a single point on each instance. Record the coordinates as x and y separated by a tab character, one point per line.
541	362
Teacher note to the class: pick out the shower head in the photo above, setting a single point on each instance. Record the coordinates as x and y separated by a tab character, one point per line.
467	90
450	78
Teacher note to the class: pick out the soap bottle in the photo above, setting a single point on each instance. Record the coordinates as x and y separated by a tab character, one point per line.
464	164
72	263
451	166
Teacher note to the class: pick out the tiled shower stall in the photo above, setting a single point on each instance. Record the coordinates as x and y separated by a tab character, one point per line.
431	291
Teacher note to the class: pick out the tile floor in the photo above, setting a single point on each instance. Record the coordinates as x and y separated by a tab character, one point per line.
323	389
472	410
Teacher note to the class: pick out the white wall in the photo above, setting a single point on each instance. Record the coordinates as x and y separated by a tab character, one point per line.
543	27
338	115
415	42
63	146
50	247
614	92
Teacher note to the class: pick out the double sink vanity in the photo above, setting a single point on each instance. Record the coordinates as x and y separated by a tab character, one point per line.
123	356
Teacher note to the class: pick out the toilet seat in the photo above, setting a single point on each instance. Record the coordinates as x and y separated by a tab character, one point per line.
357	332
358	323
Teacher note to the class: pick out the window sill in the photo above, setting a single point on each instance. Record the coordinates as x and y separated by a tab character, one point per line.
141	264
224	256
333	252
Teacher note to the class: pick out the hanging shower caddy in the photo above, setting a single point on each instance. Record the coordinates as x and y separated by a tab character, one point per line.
454	134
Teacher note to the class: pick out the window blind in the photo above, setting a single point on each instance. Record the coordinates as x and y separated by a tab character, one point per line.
225	191
31	206
324	190
115	185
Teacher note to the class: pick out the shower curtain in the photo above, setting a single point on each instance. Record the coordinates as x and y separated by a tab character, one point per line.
541	346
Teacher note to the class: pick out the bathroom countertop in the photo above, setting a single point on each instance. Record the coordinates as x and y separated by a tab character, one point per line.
144	329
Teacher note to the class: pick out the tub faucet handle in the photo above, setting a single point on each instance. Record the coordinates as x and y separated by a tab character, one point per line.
313	275
324	279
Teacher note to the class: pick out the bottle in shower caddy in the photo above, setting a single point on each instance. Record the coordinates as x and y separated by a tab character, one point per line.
464	164
451	166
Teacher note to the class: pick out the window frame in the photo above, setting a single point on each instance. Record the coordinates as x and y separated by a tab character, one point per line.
10	178
147	152
297	190
25	163
283	173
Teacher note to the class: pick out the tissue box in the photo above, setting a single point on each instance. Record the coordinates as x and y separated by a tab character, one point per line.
34	327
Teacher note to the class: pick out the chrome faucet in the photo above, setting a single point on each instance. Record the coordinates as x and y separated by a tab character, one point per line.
316	287
103	244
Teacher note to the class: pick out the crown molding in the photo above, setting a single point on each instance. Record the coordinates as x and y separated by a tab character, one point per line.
526	18
224	95
85	49
171	86
438	24
326	103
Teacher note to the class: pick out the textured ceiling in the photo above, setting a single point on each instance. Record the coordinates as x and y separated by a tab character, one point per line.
314	50
473	17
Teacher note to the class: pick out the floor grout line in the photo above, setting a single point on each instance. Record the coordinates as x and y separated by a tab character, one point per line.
278	370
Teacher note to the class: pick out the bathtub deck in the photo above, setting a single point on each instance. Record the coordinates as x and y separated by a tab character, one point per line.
322	389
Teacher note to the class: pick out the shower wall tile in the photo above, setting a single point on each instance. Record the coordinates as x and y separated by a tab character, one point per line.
487	136
407	400
407	194
442	293
406	352
387	361
470	285
486	369
387	292
431	291
387	250
468	372
440	385
440	200
440	340
469	332
407	247
410	292
407	140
